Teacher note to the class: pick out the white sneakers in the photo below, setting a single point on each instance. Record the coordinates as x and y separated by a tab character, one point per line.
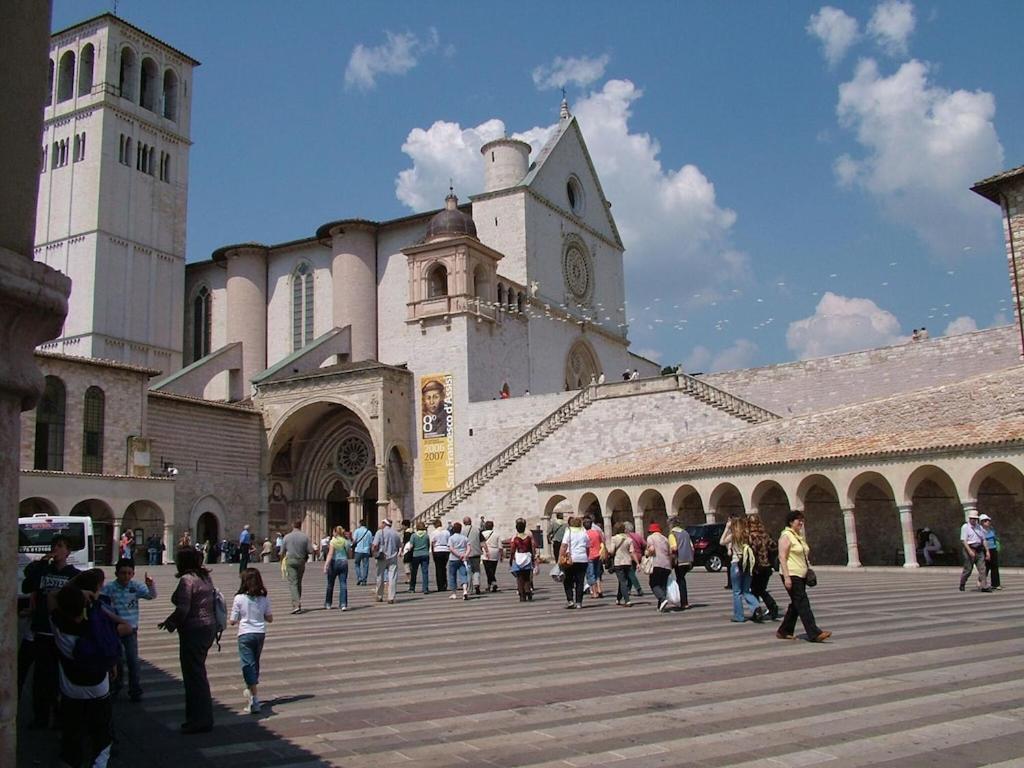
252	704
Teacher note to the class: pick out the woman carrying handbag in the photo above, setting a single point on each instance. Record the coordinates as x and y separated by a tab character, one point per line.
797	576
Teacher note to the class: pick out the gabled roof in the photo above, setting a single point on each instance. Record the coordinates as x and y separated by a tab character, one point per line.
565	127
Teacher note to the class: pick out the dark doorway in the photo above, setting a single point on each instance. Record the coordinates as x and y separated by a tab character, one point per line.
337	509
207	528
370	506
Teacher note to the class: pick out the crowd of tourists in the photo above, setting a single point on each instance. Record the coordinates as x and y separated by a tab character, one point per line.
82	638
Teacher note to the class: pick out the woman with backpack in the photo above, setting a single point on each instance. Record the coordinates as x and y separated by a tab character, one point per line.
195	620
681	545
336	568
658	551
736	538
766	559
251	612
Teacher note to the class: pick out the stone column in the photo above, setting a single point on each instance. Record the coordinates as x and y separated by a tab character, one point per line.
852	551
909	537
710	516
969	507
169	543
247	312
355	513
638	524
33	297
354	285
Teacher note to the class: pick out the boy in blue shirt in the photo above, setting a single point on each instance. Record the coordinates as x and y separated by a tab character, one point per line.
124	594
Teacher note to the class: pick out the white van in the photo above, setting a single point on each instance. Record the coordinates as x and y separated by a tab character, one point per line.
35	534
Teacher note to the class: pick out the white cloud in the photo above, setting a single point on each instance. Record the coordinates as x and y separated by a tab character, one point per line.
923	148
675	232
396	56
441	152
836	30
740	354
581	71
963	324
891	25
841	324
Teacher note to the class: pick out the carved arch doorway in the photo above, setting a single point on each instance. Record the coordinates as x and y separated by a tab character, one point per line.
581	366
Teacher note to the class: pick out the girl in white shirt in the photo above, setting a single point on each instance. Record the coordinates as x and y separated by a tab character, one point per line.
251	612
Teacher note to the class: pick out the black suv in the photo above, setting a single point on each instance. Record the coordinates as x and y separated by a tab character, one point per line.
706	548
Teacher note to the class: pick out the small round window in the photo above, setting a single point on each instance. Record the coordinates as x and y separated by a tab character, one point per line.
574	192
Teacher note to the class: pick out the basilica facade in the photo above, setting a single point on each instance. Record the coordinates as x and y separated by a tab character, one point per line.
462	361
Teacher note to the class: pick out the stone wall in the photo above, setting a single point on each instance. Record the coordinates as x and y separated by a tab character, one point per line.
828	382
217	450
124	392
607	428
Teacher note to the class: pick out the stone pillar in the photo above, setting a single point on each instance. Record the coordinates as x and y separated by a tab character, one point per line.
909	537
852	550
247	312
969	507
638	524
169	543
710	516
354	285
33	297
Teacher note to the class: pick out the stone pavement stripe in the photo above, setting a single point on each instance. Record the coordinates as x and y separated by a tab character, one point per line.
534	684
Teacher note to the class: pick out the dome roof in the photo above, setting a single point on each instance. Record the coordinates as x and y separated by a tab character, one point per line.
451	222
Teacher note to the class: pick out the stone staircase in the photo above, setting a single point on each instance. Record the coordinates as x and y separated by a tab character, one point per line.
724	401
693	387
508	456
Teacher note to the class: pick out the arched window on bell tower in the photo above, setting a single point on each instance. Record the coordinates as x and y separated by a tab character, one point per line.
302	306
437	281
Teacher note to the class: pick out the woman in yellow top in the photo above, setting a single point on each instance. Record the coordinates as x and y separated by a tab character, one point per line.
794	560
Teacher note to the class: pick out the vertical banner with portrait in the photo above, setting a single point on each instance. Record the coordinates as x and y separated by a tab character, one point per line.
437	432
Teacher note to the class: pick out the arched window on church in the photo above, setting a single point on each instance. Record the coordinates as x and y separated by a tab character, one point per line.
49	87
302	306
202	323
66	77
85	66
437	282
49	448
92	430
127	75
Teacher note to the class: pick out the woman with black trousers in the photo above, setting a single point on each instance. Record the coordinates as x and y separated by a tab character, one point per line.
574	548
765	556
195	620
794	562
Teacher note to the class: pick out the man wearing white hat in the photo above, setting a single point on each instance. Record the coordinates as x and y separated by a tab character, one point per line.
972	539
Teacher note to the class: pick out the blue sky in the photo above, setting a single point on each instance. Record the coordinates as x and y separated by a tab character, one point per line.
790	179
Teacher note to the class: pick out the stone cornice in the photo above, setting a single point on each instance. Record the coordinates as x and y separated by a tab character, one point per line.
117	238
104	103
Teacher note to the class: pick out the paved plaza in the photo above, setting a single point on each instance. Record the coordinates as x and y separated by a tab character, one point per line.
917	674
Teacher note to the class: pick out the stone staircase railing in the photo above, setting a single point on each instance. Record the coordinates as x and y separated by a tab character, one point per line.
509	455
724	401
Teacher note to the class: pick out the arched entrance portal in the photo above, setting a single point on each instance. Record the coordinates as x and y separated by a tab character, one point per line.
102	528
207	528
581	366
145	519
326	455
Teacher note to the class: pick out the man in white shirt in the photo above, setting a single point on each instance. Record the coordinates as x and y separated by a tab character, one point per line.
972	539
